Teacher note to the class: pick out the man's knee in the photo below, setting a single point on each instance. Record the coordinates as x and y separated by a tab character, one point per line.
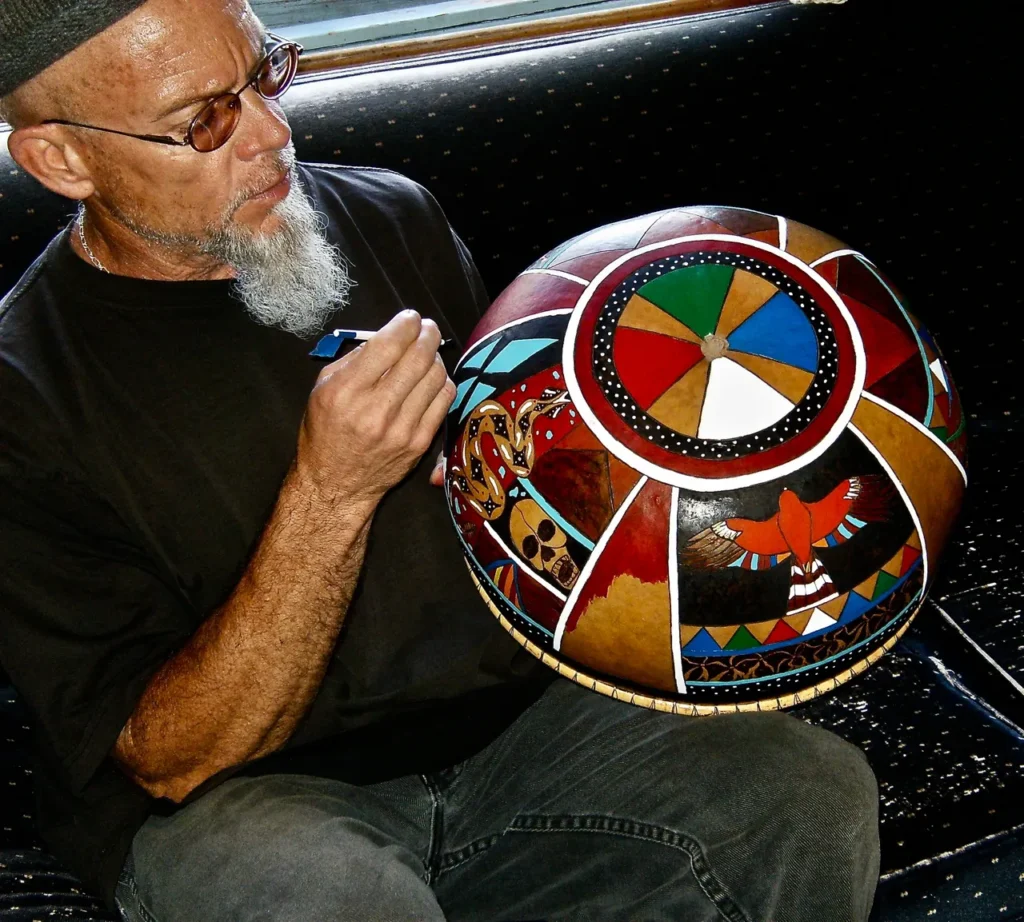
272	855
766	770
793	796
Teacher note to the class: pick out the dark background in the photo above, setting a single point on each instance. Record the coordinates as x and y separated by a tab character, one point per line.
893	126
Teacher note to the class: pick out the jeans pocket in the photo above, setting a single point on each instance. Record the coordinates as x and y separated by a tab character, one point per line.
126	896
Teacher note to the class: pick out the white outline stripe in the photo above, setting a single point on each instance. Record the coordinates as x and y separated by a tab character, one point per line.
673	591
556	272
835	254
508	326
917	424
903	493
524	568
588	567
688	481
783	233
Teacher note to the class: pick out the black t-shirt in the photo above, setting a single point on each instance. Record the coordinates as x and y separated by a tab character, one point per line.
145	429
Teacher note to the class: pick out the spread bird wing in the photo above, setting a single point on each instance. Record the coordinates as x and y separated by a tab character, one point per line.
849	507
724	543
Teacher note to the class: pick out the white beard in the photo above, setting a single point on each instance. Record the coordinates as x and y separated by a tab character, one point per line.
292	279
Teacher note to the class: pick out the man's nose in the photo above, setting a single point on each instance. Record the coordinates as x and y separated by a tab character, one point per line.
263	127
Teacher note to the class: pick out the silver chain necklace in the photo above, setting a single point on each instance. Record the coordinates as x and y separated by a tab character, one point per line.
85	243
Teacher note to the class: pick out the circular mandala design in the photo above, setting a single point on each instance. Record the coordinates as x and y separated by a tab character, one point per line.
822	382
707	363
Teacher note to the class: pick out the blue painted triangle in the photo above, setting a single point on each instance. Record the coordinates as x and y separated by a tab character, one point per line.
855	606
702	644
779	330
479	393
480	357
516	353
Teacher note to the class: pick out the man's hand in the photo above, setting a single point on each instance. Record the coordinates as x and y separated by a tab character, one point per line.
370	418
374	412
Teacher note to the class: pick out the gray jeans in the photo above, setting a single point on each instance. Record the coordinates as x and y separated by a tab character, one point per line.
584	809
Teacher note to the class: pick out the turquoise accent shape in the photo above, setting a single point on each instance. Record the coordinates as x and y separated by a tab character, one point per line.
779	331
461	391
738	562
480	392
477	360
514	354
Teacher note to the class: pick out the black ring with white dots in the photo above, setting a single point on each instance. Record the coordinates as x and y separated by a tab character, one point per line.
648	427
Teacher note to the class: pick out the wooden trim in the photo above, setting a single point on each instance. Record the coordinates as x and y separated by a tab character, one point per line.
465	39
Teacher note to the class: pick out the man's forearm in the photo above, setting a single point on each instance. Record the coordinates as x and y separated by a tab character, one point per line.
240	686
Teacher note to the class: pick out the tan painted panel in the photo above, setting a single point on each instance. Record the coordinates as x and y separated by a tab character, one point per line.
893	565
788	380
929	476
687	632
761	629
722	635
808	244
641	314
799	622
627	634
867	588
746	294
679	407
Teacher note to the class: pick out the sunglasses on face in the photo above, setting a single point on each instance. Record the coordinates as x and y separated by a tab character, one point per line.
217	120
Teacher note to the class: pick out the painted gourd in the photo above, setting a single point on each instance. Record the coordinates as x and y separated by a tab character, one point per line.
704	460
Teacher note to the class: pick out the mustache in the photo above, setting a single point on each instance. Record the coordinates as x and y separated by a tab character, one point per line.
282	162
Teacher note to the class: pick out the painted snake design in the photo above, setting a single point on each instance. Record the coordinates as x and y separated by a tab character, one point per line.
469	469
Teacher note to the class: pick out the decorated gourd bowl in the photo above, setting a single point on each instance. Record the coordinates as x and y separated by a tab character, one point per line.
704	460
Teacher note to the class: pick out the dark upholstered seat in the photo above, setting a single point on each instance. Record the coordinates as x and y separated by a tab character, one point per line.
892	130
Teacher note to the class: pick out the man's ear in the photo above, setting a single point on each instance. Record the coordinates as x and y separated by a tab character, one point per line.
48	153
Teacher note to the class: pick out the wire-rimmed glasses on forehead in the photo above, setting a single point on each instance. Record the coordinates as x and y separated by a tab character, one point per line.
211	127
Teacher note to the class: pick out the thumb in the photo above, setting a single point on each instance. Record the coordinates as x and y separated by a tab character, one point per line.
437	474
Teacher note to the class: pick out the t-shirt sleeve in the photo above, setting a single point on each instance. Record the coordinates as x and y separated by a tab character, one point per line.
409	223
85	621
448	264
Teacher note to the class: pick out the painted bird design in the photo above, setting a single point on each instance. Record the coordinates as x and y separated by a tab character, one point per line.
793	533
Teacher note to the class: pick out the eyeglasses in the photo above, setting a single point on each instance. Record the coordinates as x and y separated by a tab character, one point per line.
218	119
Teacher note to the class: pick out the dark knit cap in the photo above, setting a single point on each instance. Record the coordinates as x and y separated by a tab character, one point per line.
36	33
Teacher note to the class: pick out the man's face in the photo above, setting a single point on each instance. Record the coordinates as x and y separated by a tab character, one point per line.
150	74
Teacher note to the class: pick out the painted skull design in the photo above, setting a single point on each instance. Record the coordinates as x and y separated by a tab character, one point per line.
542	542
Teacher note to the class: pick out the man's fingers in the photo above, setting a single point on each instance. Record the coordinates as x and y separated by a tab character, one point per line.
387	346
395	388
422	394
337	365
435	413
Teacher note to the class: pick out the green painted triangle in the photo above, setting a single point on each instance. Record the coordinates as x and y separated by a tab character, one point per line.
742	639
693	295
941	432
885	582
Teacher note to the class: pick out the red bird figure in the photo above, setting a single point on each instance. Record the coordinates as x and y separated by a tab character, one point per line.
795	531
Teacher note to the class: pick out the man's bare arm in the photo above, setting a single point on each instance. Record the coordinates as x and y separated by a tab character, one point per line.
238	689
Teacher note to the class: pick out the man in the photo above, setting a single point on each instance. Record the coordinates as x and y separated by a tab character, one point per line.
261	683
